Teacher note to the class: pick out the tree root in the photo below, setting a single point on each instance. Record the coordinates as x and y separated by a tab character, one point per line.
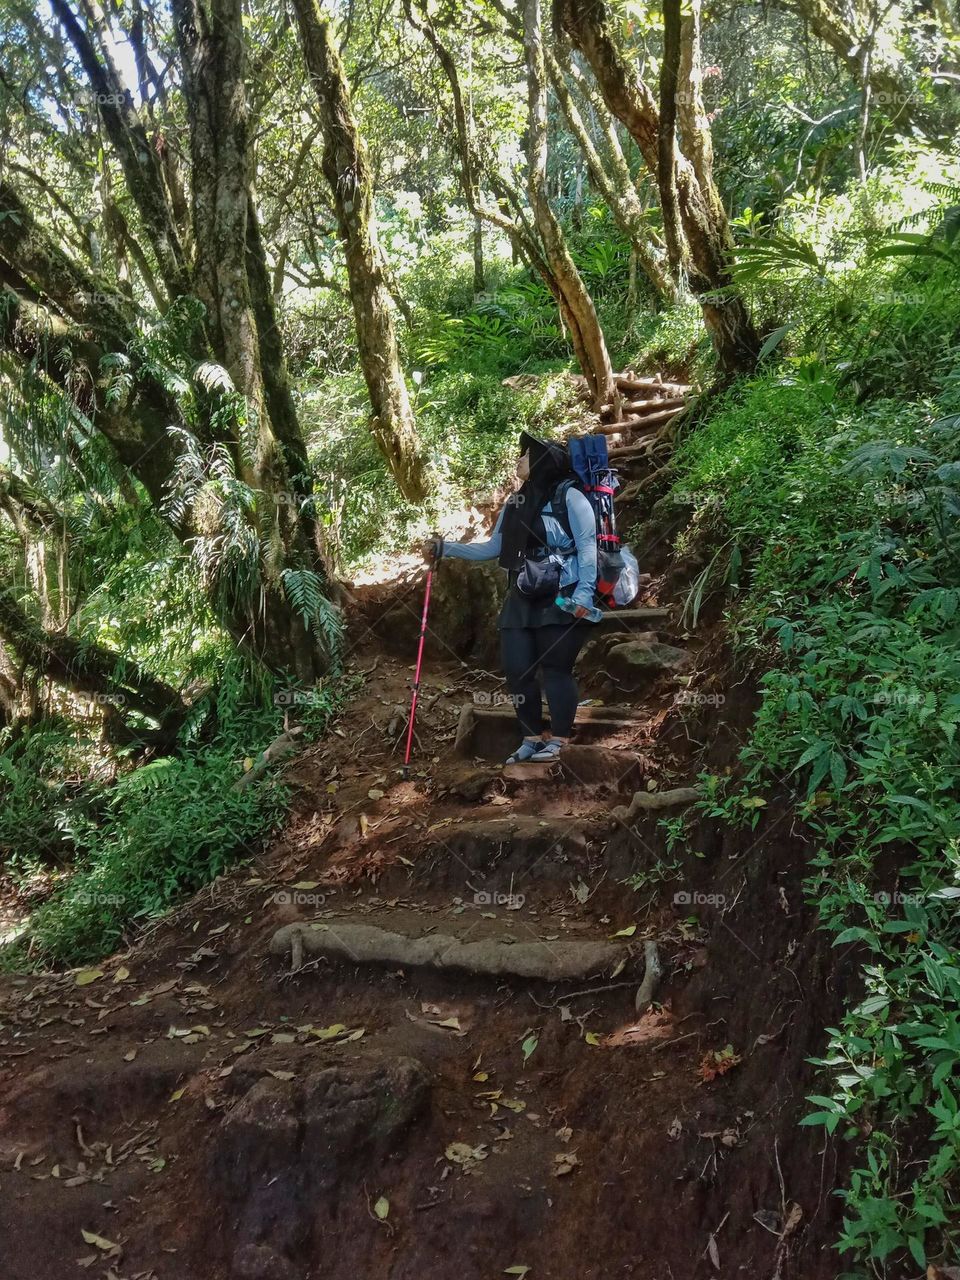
277	749
651	977
493	957
653	801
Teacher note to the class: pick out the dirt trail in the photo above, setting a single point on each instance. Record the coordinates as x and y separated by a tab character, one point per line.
202	1109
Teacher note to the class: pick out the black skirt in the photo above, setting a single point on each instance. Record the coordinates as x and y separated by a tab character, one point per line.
518	611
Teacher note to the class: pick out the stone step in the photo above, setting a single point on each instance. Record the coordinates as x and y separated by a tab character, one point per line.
495	855
637	619
491	732
588	767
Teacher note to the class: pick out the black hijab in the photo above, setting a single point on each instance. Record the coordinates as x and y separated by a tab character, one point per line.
549	464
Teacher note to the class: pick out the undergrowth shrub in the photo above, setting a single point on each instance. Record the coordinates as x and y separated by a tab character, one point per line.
159	831
844	513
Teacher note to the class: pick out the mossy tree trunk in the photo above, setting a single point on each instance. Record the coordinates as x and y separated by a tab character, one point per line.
347	170
58	326
210	248
705	226
611	177
576	304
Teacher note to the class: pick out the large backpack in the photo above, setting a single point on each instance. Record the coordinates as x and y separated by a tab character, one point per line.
617	569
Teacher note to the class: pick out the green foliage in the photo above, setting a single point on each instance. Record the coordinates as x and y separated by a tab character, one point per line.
160	831
847	516
45	814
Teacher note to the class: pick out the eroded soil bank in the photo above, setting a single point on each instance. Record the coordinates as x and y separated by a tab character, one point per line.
195	1109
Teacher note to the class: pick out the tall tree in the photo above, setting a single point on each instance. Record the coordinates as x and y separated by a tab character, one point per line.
529	224
258	547
609	172
576	305
588	25
347	171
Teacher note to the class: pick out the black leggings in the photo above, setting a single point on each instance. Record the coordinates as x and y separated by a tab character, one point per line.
554	650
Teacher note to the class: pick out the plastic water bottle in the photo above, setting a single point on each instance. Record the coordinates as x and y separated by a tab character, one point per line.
568	606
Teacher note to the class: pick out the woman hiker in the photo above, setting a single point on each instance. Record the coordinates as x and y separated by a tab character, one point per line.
534	632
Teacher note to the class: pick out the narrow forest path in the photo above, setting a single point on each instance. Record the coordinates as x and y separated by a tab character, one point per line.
264	1088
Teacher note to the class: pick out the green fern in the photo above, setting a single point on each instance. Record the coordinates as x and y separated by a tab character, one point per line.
304	590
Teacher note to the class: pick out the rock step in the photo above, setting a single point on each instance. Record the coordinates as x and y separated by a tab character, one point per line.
637	619
500	855
491	732
592	768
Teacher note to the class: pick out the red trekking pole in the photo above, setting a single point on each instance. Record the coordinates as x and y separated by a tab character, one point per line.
416	674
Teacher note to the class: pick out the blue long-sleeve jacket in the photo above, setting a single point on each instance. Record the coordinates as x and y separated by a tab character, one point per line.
579	555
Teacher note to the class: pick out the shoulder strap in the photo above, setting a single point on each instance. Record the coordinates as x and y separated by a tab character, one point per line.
559	505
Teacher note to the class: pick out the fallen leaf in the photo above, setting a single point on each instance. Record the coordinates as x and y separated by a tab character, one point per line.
328	1033
529	1046
628	932
121	975
653	1025
463	1154
591	1037
717	1063
382	1208
174	1097
564	1163
714	1252
130	1055
99	1242
516	1271
375	793
86	976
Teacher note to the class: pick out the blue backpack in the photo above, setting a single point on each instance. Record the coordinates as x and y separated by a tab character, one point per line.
616	567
